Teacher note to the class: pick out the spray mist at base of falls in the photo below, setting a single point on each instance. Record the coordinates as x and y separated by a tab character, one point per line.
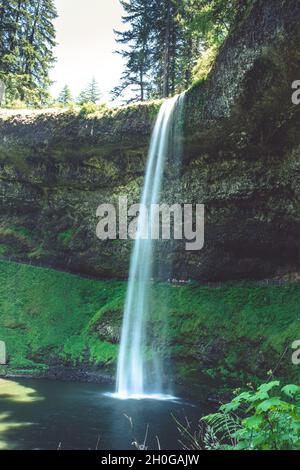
144	396
137	376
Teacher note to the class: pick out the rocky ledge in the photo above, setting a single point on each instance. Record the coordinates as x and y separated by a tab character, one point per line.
240	158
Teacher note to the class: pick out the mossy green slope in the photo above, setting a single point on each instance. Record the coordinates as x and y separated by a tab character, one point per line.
45	315
233	333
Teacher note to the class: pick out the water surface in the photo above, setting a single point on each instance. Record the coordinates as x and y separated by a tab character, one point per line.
44	414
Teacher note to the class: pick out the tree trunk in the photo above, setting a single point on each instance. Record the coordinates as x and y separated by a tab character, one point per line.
166	60
13	36
142	85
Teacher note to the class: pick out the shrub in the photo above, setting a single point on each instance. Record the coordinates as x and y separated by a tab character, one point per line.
264	419
91	108
16	104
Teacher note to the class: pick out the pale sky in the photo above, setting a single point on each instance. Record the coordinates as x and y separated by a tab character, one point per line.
86	43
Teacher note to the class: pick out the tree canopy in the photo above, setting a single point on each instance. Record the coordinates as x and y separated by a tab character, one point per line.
27	39
165	45
164	39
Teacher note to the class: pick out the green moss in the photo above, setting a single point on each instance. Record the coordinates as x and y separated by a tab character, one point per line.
66	236
234	333
44	316
102	351
3	249
110	310
244	329
20	233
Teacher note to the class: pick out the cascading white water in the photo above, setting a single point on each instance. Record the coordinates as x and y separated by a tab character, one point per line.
132	371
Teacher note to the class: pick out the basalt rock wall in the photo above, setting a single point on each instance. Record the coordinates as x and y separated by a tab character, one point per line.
240	158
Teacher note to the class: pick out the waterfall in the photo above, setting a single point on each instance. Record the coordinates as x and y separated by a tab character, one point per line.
132	367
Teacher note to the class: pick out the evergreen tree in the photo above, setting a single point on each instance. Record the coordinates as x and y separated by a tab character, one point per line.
82	97
155	39
27	38
90	94
168	34
137	53
165	38
65	96
211	20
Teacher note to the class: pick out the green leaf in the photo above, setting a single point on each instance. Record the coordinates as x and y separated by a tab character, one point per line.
264	388
232	406
291	390
274	402
253	422
259	396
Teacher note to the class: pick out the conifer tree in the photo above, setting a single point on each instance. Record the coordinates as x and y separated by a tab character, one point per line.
165	38
65	96
82	97
137	51
27	38
211	20
90	94
93	92
154	40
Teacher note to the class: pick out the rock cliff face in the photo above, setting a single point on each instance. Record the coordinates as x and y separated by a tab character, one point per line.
240	158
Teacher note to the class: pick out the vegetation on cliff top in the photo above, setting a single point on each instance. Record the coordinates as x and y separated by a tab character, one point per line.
161	45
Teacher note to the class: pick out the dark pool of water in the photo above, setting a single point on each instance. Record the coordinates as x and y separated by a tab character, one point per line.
44	414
